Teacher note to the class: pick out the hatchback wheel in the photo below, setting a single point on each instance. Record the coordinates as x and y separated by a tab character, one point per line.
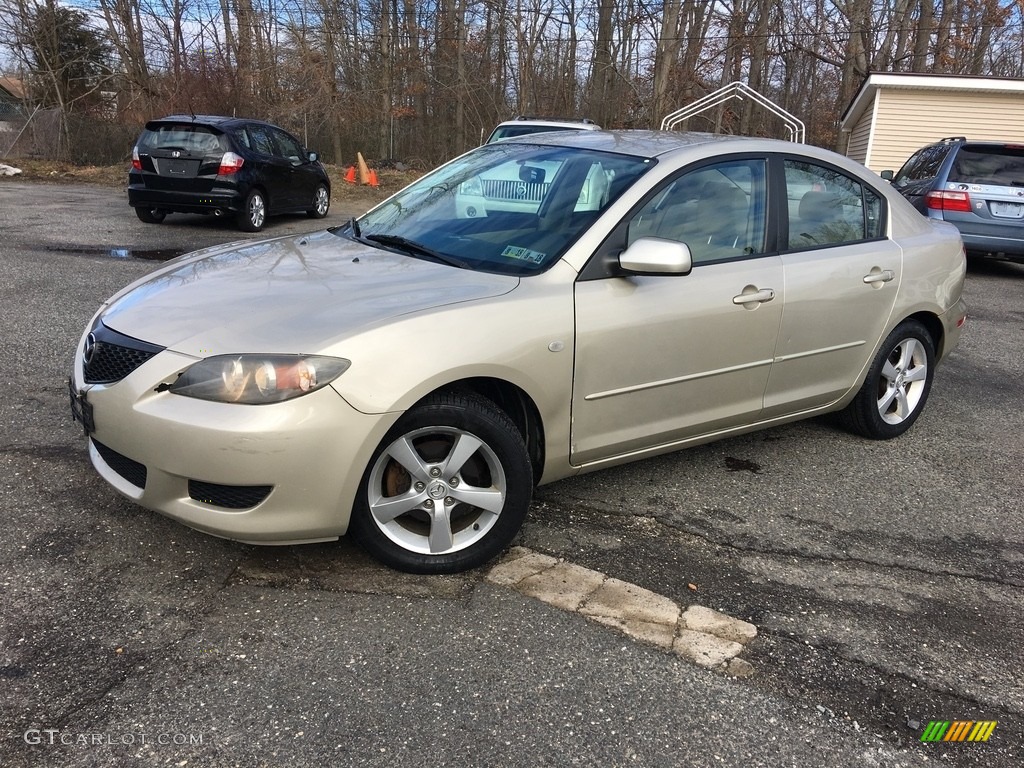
254	213
447	490
321	202
897	386
150	215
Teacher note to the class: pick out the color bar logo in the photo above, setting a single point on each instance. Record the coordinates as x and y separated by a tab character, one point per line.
958	730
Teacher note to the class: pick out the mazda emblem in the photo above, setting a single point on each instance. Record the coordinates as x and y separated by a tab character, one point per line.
90	348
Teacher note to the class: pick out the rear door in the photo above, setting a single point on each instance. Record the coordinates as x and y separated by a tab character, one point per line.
273	171
842	275
917	176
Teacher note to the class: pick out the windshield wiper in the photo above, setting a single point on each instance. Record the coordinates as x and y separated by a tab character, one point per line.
414	248
352	226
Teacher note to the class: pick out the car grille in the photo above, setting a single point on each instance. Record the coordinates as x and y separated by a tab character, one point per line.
110	363
113	355
228	496
495	189
130	470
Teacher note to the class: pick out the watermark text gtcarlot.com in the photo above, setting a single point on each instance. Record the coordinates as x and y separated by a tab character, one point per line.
55	736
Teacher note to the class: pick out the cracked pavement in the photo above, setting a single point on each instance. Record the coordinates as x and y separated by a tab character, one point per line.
884	579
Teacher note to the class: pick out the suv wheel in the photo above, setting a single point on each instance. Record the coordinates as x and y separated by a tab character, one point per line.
254	213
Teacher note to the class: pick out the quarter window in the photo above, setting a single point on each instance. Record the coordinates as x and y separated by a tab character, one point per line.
717	210
827	207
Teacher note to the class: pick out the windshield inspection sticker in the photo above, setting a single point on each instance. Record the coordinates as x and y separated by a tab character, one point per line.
523	254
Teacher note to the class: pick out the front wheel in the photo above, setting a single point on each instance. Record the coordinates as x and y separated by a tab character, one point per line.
897	385
447	490
254	212
321	202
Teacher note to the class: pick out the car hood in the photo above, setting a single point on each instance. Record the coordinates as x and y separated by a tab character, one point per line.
289	295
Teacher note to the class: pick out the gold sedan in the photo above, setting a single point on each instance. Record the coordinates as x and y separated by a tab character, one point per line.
534	309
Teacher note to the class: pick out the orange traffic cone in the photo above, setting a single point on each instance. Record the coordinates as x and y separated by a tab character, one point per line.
372	180
350	174
364	171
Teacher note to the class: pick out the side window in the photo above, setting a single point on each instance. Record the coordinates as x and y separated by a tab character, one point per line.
242	137
718	210
262	141
288	147
923	165
827	207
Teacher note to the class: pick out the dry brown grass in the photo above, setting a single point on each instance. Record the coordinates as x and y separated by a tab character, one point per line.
117	176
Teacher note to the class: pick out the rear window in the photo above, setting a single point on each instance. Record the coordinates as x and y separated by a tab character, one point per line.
998	166
194	139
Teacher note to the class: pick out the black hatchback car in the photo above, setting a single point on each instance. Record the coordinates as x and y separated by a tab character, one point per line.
224	166
978	186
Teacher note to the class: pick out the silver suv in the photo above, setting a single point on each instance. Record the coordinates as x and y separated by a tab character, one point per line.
516	188
525	125
978	186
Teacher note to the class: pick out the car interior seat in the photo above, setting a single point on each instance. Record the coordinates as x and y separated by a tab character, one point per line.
716	227
820	221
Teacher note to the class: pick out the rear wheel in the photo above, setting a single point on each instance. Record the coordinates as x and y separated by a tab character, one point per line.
150	215
897	386
253	215
321	202
447	490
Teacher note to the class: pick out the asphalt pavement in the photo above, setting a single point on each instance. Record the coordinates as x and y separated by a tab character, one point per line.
885	578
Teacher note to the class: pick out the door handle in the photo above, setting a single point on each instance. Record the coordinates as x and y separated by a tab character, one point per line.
759	297
880	277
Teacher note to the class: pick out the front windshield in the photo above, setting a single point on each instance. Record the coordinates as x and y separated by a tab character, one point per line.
506	208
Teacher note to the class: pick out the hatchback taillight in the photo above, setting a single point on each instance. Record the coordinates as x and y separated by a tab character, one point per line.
230	163
940	200
136	163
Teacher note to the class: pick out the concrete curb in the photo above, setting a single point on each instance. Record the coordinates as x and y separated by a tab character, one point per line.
701	635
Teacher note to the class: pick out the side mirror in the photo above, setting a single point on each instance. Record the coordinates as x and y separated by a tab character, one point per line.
887	175
655	256
312	156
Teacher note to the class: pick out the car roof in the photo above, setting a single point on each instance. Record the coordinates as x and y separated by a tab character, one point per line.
221	121
653	143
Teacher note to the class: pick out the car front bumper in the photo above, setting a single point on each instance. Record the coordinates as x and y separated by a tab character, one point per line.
299	461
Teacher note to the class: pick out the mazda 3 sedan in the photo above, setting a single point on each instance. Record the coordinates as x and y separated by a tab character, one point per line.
410	377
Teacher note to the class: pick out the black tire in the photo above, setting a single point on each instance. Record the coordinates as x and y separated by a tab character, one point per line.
897	385
150	215
413	516
321	202
253	214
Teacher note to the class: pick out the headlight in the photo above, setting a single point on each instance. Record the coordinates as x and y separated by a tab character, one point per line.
472	187
257	379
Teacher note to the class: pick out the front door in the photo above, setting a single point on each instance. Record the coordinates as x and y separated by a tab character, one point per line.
660	359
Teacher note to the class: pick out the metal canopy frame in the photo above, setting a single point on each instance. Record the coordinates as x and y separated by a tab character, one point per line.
736	90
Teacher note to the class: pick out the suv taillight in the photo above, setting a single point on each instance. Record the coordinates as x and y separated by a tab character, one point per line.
939	200
136	163
230	163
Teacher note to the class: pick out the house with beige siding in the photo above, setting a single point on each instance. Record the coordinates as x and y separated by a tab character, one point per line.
895	114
